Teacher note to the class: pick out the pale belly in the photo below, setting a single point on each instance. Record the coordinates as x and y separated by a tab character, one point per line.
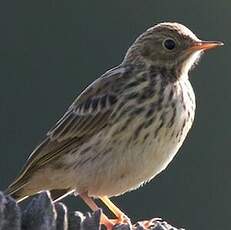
130	167
115	168
111	167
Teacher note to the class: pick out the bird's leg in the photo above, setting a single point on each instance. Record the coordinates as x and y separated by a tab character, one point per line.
93	206
122	218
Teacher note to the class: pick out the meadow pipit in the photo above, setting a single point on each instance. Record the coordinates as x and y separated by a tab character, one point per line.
124	128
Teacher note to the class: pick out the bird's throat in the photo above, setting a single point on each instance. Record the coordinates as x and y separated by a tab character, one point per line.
188	64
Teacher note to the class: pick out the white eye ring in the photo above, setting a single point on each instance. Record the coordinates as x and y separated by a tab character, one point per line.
169	43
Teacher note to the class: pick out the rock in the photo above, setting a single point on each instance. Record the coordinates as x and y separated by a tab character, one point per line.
10	215
42	214
62	216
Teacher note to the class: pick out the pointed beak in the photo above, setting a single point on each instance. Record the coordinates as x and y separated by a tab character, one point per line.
205	45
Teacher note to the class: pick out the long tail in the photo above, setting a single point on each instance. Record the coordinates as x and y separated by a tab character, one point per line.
17	191
20	189
19	194
59	194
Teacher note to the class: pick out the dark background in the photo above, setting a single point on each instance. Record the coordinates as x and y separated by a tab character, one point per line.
51	49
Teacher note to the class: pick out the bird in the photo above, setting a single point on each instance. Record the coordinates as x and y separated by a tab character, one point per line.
124	128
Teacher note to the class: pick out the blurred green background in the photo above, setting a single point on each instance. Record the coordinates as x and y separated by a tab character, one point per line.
51	49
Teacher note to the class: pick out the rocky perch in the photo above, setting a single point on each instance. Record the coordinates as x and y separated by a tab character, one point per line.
42	214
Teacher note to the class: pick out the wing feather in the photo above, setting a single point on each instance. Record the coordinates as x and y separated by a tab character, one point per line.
88	115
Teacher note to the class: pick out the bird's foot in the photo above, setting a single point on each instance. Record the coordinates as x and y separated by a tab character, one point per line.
123	219
111	223
148	224
107	223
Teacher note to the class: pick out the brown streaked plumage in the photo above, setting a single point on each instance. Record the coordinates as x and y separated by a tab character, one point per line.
124	128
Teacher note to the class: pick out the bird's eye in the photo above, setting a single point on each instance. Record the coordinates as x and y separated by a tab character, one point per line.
169	44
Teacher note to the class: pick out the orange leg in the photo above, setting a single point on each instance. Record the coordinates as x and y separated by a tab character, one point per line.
93	206
122	218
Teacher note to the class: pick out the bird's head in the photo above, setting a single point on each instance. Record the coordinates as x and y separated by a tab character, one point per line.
169	45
